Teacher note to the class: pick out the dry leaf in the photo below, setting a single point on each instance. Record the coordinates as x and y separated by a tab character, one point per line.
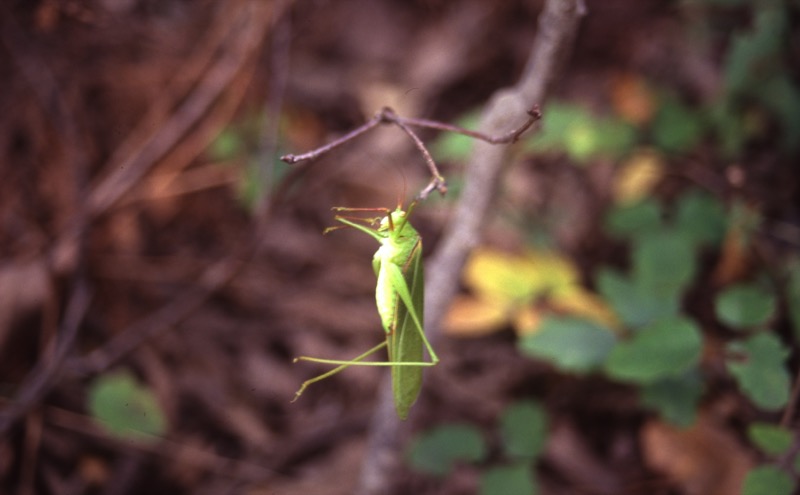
734	261
632	98
705	459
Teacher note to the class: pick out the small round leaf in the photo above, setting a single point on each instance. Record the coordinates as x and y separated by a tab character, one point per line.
435	451
767	480
125	408
675	398
571	344
757	364
509	480
771	439
745	306
664	349
524	429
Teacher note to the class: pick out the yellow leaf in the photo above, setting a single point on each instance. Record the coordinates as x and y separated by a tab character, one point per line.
581	302
555	274
493	274
637	176
473	317
520	290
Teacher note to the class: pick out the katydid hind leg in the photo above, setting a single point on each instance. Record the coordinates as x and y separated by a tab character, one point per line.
342	366
406	339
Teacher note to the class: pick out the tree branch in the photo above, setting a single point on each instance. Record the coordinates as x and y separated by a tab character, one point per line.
558	25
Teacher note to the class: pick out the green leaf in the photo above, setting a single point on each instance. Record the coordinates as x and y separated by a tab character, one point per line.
617	137
559	120
635	220
676	128
663	263
664	349
675	399
771	439
125	408
582	136
435	451
635	305
745	306
509	480
524	429
700	218
757	365
767	480
571	344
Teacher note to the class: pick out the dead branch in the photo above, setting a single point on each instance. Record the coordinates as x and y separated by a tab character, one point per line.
387	116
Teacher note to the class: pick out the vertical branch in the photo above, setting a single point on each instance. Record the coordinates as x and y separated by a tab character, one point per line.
558	25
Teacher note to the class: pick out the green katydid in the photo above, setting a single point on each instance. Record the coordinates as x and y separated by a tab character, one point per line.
398	264
399	297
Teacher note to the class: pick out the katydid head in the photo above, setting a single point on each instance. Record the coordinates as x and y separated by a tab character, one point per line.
396	217
395	221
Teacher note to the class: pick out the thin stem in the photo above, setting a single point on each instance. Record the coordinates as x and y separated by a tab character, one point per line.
373	122
510	137
387	116
437	182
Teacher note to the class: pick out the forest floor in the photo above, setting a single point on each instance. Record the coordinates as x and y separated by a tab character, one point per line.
151	236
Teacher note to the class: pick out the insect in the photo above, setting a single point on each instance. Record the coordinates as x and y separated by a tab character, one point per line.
399	297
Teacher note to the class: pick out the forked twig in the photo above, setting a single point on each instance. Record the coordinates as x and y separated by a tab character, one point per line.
388	116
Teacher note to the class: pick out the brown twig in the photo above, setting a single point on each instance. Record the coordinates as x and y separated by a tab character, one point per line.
388	116
42	378
510	137
373	122
129	170
558	25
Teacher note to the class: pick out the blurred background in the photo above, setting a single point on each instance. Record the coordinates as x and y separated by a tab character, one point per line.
628	325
